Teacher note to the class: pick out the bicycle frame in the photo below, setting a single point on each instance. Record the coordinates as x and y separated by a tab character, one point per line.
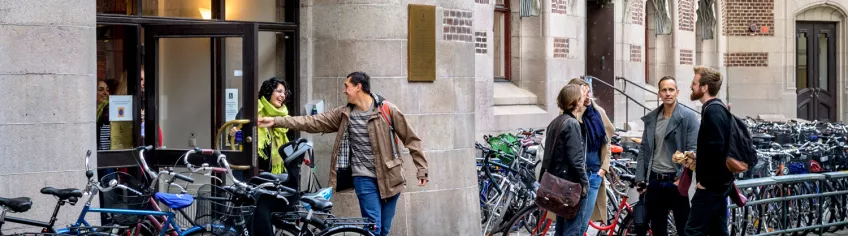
81	222
611	228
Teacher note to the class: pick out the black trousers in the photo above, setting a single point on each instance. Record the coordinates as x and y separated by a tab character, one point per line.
709	213
662	197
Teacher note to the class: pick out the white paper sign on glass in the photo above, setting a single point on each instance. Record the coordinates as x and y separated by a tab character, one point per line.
120	108
231	102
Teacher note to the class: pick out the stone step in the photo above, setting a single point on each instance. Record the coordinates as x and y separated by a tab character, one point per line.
509	94
513	117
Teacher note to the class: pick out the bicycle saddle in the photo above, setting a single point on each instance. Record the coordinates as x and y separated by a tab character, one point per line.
317	202
21	204
175	201
62	194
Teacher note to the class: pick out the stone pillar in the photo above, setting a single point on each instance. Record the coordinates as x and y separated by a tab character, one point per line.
484	48
684	46
629	48
564	33
661	54
371	36
48	78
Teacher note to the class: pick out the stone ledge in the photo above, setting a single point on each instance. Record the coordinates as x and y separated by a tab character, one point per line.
509	94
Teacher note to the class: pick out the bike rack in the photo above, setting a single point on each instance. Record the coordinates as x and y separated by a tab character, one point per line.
816	179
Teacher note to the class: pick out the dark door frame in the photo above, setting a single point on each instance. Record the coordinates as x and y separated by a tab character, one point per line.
507	37
249	34
812	96
135	47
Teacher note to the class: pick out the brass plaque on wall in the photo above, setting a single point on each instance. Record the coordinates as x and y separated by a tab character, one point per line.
421	52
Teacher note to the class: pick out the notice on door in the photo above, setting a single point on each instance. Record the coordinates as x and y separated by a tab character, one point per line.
120	108
231	103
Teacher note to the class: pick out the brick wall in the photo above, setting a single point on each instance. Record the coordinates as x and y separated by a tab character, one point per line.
637	12
558	6
560	47
746	59
480	44
686	14
457	26
738	15
686	57
635	53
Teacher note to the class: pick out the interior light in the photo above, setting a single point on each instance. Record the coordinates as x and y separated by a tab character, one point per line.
205	13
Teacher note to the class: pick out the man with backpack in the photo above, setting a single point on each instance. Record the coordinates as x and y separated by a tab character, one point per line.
366	155
708	214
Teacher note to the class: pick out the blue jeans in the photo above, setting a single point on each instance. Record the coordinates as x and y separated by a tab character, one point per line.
580	224
381	211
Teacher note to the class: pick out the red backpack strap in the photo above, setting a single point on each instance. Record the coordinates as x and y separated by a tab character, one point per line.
386	112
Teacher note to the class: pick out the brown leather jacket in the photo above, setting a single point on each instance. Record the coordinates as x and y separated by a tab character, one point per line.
389	170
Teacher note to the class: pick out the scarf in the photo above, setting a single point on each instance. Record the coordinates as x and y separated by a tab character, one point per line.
595	133
100	106
266	109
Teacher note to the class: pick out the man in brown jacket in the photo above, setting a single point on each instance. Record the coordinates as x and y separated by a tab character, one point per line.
366	152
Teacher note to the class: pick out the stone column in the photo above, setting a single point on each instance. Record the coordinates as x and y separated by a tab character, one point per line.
371	36
629	51
564	31
484	48
684	46
48	78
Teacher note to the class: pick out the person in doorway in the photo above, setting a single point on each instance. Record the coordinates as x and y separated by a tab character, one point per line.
565	156
668	128
272	98
598	129
708	214
365	151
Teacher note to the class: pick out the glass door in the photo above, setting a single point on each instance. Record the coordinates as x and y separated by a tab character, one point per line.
192	101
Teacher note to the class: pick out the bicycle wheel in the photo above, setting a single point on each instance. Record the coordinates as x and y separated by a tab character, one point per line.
627	227
345	230
529	221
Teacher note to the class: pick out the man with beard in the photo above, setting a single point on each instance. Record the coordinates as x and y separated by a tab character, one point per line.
708	214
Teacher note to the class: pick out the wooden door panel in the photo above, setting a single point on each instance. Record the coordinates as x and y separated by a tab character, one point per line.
599	54
816	71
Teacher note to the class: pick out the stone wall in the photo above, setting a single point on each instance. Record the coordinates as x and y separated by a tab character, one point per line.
371	36
48	78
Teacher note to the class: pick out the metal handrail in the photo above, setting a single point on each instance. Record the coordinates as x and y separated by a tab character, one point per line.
626	104
627	81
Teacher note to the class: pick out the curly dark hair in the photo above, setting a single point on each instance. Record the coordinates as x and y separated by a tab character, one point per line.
269	85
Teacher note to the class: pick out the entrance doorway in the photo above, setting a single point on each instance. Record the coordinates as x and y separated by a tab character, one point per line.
599	54
816	71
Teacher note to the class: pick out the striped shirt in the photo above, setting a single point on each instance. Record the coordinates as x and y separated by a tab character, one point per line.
362	157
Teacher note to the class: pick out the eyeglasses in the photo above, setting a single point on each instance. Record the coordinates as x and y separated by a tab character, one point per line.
283	92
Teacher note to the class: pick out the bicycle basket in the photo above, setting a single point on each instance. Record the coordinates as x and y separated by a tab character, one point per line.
222	209
123	199
504	143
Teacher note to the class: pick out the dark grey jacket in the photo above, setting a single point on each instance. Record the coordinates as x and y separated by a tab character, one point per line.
565	158
681	135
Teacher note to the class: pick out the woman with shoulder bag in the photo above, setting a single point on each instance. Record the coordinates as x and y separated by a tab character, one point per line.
565	182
